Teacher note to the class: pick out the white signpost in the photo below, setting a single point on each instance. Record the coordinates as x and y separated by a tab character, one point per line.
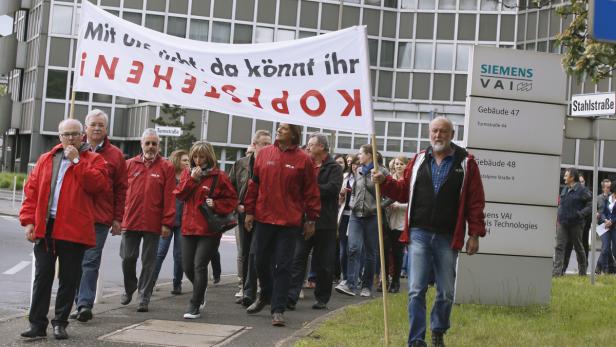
515	111
599	104
168	131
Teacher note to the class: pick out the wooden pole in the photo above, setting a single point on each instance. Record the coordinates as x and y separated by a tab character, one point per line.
379	214
71	112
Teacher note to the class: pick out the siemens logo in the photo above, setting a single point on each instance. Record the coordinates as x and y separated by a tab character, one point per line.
507	71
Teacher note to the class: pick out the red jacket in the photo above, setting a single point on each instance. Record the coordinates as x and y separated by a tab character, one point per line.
150	203
110	206
74	216
283	187
194	194
472	199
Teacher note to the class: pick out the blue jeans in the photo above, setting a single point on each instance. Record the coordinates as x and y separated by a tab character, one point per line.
429	252
163	248
608	246
363	235
90	265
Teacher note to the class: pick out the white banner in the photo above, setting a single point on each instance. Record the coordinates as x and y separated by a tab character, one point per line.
321	81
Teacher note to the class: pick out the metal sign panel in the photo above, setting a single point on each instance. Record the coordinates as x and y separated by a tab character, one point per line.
503	280
518	178
500	124
598	104
519	230
601	18
517	75
169	131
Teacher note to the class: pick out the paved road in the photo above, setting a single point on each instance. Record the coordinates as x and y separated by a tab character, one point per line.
16	266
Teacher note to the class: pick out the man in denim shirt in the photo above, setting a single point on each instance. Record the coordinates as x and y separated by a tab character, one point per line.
575	204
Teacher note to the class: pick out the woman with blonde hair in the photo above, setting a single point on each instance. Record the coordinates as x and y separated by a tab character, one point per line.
203	183
396	213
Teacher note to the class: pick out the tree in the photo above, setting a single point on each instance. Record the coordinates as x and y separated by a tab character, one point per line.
583	55
173	116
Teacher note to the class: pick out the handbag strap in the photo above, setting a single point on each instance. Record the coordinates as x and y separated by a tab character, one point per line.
213	187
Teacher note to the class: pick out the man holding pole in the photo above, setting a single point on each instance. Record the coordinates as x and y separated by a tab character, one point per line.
443	187
108	212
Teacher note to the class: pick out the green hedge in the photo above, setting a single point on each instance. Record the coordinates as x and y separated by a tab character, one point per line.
6	180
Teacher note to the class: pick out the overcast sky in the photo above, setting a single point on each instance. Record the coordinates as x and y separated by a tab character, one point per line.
6	25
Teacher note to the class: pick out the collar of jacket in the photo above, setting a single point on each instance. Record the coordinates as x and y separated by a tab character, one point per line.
328	161
102	145
458	152
289	148
140	159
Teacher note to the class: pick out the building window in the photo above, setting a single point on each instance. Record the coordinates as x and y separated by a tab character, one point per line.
442	87
446	25
462	57
155	22
423	56
217	127
402	85
487	27
223	9
425	26
466	27
404	55
285	35
408	4
221	32
427	4
387	53
444	56
176	26
202	7
263	34
59	51
421	86
287	13
133	17
199	29
62	20
242	33
385	80
266	11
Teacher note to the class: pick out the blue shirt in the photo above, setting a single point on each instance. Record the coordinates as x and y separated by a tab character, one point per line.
56	193
440	172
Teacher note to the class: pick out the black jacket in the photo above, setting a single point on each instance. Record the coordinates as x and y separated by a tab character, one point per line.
575	205
330	183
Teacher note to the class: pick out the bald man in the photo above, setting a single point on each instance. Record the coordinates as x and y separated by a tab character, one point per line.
57	216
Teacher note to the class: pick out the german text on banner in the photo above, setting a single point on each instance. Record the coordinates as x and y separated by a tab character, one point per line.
321	81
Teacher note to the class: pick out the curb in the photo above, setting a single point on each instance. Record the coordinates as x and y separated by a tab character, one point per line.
311	326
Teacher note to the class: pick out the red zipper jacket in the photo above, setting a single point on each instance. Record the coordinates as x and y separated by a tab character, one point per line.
74	220
283	187
194	194
150	203
472	198
110	206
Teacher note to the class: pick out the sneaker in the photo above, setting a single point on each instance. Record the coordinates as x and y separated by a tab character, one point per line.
34	334
73	315
177	290
126	298
257	306
301	294
278	319
291	305
142	307
239	294
365	292
344	289
437	339
216	280
193	312
84	315
319	305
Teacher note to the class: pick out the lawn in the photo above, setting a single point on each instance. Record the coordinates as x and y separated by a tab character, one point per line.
580	315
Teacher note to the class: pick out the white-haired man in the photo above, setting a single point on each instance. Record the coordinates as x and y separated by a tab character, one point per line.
149	213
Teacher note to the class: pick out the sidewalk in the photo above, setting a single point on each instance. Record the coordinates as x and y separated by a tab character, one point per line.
226	322
7	208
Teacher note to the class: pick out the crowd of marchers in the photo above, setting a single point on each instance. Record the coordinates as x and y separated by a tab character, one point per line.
305	217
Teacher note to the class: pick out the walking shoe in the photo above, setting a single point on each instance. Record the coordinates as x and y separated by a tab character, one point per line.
418	343
84	315
126	298
257	306
177	290
142	307
365	292
290	305
239	294
34	334
216	280
319	305
246	301
73	315
344	289
278	319
394	288
193	312
59	332
437	339
301	294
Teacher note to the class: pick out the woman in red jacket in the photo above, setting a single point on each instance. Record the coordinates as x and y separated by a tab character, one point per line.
199	243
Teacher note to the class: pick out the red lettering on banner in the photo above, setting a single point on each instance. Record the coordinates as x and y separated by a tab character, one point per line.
280	104
84	55
229	89
255	98
190	84
315	94
166	77
352	102
212	93
136	72
109	70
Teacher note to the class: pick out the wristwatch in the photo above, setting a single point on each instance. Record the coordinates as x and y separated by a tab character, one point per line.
76	160
310	222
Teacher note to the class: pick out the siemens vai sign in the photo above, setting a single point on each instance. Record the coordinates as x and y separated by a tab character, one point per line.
526	76
600	104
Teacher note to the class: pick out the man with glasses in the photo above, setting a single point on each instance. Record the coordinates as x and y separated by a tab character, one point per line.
149	213
108	212
240	173
58	217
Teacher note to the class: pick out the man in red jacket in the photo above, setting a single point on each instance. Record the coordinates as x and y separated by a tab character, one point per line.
149	213
282	190
108	212
58	217
443	187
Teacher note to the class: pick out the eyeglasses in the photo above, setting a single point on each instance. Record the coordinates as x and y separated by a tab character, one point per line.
150	143
69	135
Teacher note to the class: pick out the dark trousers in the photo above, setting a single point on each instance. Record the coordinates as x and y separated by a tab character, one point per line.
249	267
323	244
344	245
394	251
275	246
564	234
569	247
197	252
129	251
70	256
216	267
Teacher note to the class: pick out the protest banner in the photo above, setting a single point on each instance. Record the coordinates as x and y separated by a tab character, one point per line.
321	81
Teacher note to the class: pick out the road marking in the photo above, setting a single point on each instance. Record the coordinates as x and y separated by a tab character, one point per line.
8	218
228	238
15	269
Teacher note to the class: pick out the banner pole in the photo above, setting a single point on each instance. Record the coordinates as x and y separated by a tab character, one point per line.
71	112
379	214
